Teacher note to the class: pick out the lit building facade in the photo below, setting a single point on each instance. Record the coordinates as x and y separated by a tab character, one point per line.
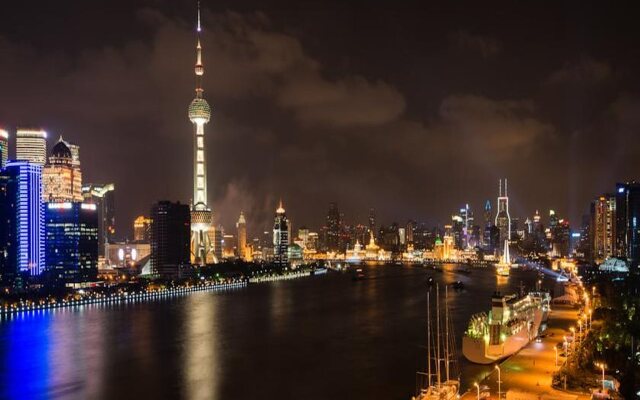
126	254
170	232
4	148
8	230
25	188
503	219
202	242
71	241
603	228
103	196
281	237
628	221
241	227
141	229
61	176
31	145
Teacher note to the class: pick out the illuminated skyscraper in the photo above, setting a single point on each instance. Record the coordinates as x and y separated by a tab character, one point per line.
31	145
241	226
61	176
103	196
628	221
8	229
71	241
141	229
202	246
25	183
4	147
487	213
280	237
503	219
603	227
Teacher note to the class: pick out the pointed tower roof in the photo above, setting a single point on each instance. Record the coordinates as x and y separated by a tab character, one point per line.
280	209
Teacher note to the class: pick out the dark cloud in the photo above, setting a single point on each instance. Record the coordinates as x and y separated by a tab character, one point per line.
308	108
485	46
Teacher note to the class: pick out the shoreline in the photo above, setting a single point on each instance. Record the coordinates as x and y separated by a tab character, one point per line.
145	296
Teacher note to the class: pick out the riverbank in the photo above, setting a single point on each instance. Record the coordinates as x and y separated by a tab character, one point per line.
93	298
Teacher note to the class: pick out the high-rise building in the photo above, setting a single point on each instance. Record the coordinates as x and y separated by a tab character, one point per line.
4	148
372	220
8	229
228	246
487	214
25	190
103	196
628	221
503	219
202	247
31	145
603	227
332	232
71	241
142	229
241	227
170	232
281	237
61	176
410	231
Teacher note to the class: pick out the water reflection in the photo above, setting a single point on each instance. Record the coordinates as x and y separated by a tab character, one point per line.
201	364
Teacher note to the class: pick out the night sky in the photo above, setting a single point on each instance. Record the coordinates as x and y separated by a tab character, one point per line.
413	108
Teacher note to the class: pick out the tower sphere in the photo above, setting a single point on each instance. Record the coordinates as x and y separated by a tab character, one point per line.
199	110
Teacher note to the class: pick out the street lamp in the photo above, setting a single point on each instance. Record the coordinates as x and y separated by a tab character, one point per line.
580	327
499	382
601	365
477	387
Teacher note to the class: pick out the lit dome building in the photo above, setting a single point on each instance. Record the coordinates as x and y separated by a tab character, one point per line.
61	176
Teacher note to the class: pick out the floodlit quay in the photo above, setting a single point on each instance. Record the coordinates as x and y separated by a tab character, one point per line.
144	295
529	373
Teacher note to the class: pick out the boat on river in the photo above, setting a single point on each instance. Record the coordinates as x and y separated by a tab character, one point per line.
512	323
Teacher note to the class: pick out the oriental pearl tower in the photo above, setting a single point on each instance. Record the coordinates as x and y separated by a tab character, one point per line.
202	232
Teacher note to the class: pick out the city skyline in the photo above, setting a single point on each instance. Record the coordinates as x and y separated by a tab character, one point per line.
395	136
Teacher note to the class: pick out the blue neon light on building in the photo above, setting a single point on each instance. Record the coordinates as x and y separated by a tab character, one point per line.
27	179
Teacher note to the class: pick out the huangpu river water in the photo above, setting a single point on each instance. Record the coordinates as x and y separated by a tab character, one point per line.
324	337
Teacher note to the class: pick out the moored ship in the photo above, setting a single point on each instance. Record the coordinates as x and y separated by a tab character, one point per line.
512	323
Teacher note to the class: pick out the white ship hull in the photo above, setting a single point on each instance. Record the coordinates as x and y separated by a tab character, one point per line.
480	352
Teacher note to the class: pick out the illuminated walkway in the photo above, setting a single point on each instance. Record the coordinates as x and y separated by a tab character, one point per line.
532	368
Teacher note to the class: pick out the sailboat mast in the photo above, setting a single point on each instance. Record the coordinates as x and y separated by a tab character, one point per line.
446	327
438	333
429	337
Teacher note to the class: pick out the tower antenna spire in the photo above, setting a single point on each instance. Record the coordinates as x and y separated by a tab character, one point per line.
199	28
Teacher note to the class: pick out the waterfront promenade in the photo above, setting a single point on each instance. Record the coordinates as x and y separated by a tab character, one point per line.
531	370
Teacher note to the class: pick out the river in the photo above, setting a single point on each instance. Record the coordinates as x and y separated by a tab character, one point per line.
324	337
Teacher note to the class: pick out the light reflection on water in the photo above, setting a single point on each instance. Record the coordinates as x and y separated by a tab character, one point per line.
314	338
